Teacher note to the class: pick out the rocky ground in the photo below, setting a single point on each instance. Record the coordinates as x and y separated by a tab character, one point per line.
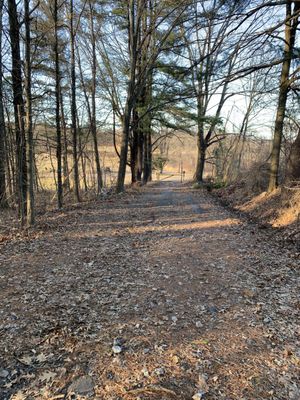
161	294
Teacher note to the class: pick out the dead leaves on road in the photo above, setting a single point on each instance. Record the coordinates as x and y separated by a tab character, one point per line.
150	300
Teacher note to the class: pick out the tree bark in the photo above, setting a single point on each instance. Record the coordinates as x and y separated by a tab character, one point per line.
3	201
147	159
201	145
66	174
290	34
124	148
133	35
136	160
29	129
293	170
57	110
73	104
18	101
93	111
147	134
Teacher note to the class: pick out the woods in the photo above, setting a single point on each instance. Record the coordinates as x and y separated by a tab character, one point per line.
133	74
149	199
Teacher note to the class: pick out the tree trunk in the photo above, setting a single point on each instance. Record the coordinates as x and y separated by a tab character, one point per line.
73	104
133	36
29	130
93	113
200	162
18	101
147	159
82	160
3	201
201	145
139	127
139	156
124	148
147	137
66	173
57	111
293	170
10	155
290	34
134	145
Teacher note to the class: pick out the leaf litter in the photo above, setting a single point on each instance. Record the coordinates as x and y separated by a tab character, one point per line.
162	293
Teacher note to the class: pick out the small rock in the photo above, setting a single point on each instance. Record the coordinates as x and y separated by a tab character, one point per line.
174	319
198	396
83	386
199	324
110	375
4	373
175	360
213	310
294	392
118	341
249	293
159	371
145	372
202	385
117	349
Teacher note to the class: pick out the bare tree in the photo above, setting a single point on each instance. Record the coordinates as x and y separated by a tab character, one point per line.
29	130
165	14
58	108
291	24
21	168
2	123
73	103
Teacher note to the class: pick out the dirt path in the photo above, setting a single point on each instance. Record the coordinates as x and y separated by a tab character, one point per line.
161	295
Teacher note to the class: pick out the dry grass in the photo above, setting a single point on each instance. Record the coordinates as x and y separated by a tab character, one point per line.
276	208
279	209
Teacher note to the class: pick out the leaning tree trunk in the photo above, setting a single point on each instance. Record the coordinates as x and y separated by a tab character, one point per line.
18	101
290	34
2	125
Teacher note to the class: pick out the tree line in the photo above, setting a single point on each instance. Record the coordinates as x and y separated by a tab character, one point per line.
140	70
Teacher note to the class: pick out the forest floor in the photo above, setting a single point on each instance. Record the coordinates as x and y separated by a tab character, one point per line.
158	294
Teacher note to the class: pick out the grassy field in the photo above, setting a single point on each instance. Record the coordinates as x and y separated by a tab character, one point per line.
181	155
